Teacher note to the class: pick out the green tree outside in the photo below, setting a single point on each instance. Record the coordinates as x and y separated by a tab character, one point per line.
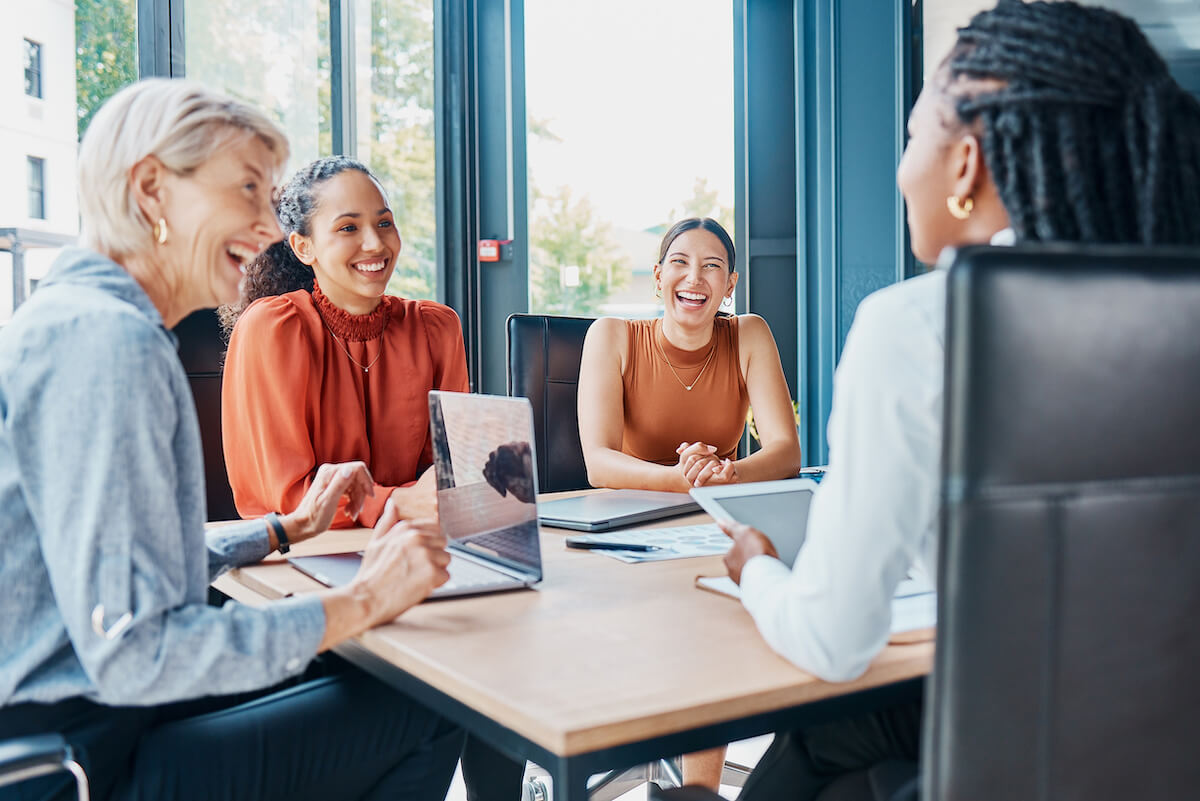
573	263
105	61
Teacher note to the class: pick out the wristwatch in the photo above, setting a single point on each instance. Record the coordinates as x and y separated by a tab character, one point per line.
280	534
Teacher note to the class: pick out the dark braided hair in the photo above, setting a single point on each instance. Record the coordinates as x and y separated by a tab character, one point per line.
277	271
1087	136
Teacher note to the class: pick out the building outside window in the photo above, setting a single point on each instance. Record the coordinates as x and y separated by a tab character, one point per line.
37	188
33	69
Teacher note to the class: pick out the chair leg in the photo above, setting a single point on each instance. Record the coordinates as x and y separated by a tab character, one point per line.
81	782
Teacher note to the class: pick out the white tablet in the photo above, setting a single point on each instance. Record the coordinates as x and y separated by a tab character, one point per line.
778	509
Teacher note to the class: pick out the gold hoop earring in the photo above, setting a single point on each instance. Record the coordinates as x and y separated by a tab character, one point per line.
960	209
160	231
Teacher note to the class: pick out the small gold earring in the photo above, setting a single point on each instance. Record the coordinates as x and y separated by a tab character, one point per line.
658	291
960	209
160	231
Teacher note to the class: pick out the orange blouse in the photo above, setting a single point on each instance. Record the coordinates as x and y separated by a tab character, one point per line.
660	412
295	395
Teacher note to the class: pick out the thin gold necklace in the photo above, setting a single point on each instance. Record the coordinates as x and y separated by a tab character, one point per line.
696	380
356	362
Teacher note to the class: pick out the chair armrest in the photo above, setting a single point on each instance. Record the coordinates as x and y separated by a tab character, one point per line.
25	757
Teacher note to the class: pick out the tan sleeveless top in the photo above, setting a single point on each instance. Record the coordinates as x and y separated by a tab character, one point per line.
660	413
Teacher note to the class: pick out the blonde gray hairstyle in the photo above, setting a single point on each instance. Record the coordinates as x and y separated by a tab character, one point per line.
181	123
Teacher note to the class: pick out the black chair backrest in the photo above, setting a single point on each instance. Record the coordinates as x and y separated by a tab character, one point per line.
202	351
1069	577
543	365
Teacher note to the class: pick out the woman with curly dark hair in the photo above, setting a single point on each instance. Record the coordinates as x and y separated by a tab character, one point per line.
323	361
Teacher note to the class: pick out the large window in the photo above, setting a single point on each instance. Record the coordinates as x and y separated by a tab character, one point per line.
277	54
395	127
33	69
36	184
271	53
630	109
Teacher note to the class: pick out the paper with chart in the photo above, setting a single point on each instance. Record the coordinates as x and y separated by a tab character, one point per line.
676	542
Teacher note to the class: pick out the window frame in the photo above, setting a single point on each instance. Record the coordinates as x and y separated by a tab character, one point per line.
33	72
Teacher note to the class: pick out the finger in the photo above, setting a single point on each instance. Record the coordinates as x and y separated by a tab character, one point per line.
387	520
683	446
440	577
732	528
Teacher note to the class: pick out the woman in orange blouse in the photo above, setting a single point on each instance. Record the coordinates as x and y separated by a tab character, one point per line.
322	362
662	403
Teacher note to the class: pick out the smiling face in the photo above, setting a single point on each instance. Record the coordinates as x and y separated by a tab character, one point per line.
219	217
694	277
353	244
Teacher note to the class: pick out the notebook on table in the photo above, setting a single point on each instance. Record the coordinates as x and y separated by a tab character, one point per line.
487	497
604	511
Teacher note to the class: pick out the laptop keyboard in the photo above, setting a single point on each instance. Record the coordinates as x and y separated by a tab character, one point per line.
467	575
513	544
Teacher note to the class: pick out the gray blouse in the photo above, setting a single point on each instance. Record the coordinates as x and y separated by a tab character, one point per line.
104	560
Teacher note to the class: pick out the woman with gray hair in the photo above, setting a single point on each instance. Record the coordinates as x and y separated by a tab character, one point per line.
107	637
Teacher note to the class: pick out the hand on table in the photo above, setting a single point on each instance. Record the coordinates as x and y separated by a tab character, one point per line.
403	563
320	503
747	543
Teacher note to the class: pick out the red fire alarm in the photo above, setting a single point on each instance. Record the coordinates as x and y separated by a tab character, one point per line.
489	250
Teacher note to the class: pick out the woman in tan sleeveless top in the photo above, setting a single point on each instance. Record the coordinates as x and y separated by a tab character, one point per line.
662	403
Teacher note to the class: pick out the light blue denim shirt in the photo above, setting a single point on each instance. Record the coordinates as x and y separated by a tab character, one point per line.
102	503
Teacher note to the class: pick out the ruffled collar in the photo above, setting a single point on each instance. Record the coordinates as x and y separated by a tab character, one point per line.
352	327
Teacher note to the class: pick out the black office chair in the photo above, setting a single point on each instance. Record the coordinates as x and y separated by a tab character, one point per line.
543	365
1070	543
25	758
202	351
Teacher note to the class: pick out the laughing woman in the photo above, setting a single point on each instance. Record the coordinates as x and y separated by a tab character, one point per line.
662	403
322	361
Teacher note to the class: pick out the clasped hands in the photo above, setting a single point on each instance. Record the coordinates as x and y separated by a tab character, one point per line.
699	465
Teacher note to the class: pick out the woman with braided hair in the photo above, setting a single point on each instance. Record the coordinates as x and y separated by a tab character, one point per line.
1048	121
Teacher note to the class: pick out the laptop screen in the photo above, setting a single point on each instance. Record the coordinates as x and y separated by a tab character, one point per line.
486	476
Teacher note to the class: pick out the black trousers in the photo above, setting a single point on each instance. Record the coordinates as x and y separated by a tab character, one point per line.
799	765
341	735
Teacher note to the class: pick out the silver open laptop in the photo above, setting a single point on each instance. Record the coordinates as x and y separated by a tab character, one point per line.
483	456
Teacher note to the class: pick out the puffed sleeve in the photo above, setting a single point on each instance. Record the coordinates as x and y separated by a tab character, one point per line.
266	414
446	348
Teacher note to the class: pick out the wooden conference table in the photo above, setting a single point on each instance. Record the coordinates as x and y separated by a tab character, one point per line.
603	666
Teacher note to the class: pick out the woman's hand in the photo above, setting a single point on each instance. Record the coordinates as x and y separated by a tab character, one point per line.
403	563
724	472
319	505
418	501
747	543
695	458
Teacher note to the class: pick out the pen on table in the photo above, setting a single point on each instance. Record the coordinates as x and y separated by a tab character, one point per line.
593	545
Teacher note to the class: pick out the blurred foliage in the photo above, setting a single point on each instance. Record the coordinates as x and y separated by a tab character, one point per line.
569	243
105	61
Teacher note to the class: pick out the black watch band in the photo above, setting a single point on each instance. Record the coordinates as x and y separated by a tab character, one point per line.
275	523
